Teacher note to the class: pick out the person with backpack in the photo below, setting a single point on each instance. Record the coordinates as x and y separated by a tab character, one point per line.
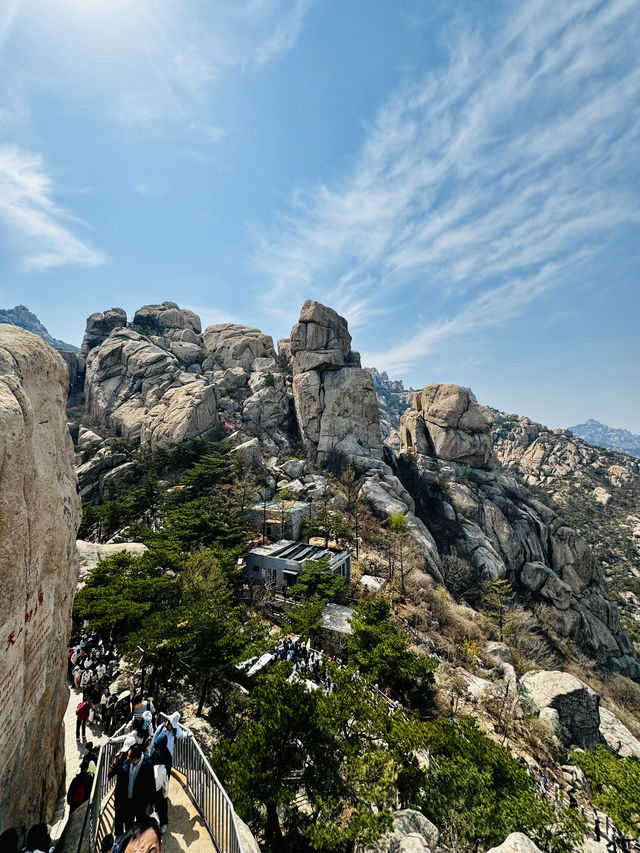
110	713
172	728
90	758
82	715
79	789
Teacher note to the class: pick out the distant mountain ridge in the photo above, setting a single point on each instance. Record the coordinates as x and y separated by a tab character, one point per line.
605	436
25	319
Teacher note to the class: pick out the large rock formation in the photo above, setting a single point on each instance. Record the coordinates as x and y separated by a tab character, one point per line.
447	423
617	735
159	381
596	490
39	517
411	832
142	386
237	346
99	327
91	553
334	397
572	708
485	517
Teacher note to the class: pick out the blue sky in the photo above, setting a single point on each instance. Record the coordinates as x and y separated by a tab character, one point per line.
460	180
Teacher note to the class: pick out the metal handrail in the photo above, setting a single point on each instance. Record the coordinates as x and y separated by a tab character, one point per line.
202	784
208	794
93	828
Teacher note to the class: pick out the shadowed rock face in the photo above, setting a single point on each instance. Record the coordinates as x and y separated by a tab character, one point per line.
39	518
576	706
486	518
99	327
334	397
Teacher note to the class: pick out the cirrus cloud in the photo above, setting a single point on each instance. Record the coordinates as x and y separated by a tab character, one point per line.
39	228
480	185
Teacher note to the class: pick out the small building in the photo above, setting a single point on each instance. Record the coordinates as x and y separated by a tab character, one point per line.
373	583
283	561
337	618
279	519
336	627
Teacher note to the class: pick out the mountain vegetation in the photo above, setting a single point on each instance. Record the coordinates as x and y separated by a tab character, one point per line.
476	567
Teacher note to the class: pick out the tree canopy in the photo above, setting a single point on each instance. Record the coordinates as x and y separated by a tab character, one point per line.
477	793
615	786
381	651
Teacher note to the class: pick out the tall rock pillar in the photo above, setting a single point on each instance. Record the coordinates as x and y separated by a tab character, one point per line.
336	403
39	517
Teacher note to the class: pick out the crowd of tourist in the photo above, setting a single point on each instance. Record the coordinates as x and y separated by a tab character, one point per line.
142	766
307	662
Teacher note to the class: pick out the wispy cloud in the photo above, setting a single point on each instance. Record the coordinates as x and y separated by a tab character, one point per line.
39	229
148	190
150	62
7	17
479	186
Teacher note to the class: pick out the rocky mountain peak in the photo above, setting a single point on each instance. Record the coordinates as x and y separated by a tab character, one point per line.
99	327
320	340
23	318
160	380
166	317
605	436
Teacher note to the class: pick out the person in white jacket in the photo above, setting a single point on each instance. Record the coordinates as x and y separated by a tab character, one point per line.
172	728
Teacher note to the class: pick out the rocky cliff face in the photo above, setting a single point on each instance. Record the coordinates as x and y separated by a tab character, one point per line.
485	517
160	379
39	517
393	401
596	491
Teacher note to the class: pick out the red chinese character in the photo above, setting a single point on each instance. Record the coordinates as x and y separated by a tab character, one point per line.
11	640
28	615
40	598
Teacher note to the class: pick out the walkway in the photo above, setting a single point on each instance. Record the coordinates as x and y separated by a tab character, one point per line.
187	830
73	752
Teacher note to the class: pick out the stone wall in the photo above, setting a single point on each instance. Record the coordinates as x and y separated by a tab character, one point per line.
39	517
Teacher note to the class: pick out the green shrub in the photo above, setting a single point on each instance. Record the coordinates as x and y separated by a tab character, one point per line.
615	786
477	793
